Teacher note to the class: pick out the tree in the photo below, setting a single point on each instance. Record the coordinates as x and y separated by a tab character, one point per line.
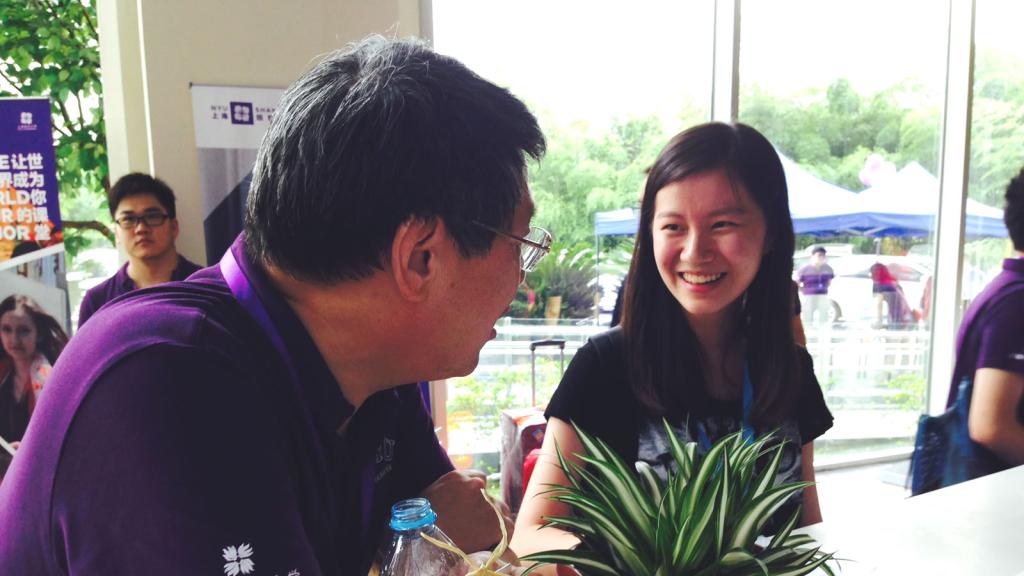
832	131
50	48
997	127
584	173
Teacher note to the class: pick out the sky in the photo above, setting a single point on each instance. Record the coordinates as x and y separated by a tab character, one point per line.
596	60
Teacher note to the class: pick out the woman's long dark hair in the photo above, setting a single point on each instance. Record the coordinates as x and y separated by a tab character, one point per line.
50	337
661	348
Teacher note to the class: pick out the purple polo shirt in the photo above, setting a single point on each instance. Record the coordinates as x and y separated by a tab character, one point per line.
814	281
122	283
998	338
172	440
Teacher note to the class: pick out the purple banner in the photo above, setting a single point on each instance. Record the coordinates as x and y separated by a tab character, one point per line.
29	211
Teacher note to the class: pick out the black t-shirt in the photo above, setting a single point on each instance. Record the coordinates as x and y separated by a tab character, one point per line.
13	413
594	393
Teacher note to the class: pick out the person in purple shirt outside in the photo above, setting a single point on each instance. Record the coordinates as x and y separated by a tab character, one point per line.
993	355
814	279
255	419
144	210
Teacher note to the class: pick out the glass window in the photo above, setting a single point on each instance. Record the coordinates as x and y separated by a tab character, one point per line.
997	140
610	83
852	94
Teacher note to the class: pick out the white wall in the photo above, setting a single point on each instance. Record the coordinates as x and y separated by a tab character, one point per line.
152	49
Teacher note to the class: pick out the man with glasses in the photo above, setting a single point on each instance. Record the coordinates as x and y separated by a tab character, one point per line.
143	209
262	417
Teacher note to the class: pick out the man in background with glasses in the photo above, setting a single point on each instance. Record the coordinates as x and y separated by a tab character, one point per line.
262	417
143	210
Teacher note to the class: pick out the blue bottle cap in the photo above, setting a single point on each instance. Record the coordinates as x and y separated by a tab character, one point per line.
412	514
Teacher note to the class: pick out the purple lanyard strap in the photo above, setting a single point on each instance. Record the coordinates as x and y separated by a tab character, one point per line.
242	290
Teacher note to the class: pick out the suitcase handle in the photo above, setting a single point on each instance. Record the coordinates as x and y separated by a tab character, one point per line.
547	344
533	363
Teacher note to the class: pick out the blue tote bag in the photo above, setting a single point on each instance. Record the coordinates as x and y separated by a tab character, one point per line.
944	453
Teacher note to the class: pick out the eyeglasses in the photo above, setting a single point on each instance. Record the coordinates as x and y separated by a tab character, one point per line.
152	220
532	247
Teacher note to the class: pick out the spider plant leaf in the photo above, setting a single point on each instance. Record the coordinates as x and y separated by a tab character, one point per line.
604	492
651	480
676	553
798	540
767	477
784	532
701	521
570	523
579	558
617	496
635	504
566	466
758	512
624	479
691	457
630	559
827	569
780	555
805	569
711	463
741	558
600	519
748	457
806	555
683	457
711	570
702	517
723	508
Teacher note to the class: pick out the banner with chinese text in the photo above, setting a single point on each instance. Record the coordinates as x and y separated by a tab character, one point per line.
31	233
229	122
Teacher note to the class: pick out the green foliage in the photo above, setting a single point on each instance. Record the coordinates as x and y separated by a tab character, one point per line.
486	395
997	129
703	521
909	391
50	48
569	272
584	173
832	132
572	274
829	131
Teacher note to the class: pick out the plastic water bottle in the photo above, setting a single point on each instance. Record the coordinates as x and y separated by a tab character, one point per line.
409	554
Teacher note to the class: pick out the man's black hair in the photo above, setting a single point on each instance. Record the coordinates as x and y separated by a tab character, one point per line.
385	131
138	183
1014	213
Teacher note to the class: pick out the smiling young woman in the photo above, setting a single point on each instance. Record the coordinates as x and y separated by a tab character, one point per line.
706	339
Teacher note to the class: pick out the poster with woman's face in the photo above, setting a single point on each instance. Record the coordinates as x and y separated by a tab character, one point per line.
31	231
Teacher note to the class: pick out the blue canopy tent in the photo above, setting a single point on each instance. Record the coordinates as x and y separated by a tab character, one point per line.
902	205
817	207
905	205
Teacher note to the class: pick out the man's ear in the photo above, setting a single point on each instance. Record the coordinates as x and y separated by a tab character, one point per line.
414	256
174	229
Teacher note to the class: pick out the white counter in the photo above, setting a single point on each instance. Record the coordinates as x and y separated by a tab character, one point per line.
972	529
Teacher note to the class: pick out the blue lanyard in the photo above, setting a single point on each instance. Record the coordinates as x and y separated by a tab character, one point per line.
243	291
748	404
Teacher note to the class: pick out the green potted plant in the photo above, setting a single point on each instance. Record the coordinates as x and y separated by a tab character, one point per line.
702	521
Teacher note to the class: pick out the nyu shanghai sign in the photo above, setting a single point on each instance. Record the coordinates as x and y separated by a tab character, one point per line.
29	213
229	121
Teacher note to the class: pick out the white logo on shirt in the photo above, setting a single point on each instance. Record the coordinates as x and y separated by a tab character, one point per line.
239	560
386	450
1017	356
